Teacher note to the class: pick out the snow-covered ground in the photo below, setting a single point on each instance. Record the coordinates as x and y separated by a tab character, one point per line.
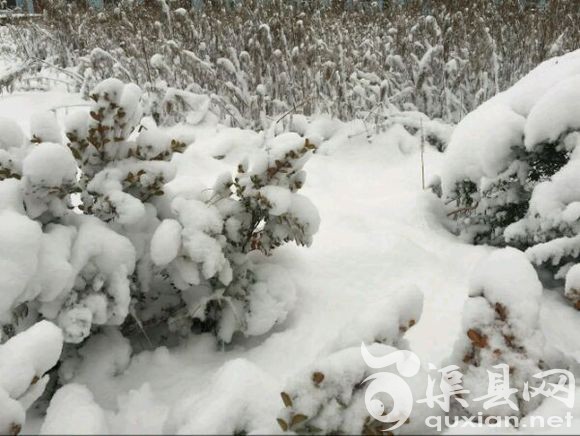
380	232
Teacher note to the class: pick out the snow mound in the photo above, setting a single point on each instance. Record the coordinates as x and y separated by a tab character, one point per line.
50	165
44	127
20	244
539	108
507	277
384	322
500	327
12	135
330	394
166	242
73	408
229	390
24	359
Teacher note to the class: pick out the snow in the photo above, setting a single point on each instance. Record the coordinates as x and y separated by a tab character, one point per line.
73	406
11	195
104	260
382	322
49	165
481	144
280	199
166	242
272	298
228	389
24	359
554	197
28	354
55	274
501	326
383	218
200	222
44	127
333	403
139	413
152	142
554	114
12	135
539	107
380	249
507	277
20	244
554	250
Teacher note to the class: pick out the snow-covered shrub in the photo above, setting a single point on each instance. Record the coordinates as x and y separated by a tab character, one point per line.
86	249
119	175
24	361
509	174
56	263
328	397
215	248
500	326
90	240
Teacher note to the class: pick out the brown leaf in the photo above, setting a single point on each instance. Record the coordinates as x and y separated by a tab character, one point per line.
317	377
283	424
477	339
308	145
14	429
286	399
501	311
297	419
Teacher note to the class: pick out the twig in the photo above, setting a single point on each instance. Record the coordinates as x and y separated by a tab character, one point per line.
294	108
140	324
463	209
422	155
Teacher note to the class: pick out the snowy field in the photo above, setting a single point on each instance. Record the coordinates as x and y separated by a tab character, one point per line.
380	232
385	247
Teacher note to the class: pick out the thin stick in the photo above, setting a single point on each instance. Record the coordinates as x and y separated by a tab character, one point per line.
422	156
463	209
294	108
140	325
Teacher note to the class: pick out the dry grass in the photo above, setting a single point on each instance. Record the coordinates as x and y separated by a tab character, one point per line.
262	59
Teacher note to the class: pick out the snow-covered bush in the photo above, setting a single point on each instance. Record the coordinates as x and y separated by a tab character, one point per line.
85	250
91	240
500	326
215	249
328	397
509	174
24	361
